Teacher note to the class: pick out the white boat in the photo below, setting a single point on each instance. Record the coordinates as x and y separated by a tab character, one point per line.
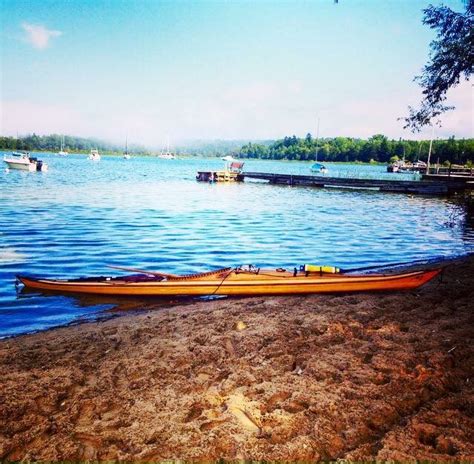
402	166
420	165
168	155
24	162
126	155
94	155
61	152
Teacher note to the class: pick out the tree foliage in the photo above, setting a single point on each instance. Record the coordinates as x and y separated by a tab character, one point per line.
377	148
52	143
451	60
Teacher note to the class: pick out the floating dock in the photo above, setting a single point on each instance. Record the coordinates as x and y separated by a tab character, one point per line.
219	176
421	187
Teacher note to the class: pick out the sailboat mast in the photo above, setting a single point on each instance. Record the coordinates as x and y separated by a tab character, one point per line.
317	141
429	151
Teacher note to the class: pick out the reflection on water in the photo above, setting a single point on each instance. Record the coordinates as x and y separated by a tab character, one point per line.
108	303
152	214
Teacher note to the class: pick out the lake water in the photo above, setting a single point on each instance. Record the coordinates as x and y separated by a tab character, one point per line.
149	213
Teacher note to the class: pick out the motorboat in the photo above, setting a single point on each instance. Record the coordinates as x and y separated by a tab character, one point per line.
403	166
394	167
420	165
232	172
94	155
24	162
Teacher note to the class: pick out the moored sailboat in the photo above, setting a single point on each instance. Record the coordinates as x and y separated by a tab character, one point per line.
168	154
318	167
126	154
61	151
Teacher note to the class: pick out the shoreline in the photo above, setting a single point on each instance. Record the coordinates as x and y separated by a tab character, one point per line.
207	157
187	155
361	377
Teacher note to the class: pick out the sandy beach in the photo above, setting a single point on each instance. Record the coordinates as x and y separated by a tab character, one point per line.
321	377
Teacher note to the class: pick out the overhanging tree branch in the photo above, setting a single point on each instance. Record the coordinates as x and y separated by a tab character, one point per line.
451	60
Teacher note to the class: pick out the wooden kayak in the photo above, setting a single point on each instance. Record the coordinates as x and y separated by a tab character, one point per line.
235	281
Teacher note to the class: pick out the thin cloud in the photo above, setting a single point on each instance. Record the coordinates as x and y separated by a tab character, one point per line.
39	36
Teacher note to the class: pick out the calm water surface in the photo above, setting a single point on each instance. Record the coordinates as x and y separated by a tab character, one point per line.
152	214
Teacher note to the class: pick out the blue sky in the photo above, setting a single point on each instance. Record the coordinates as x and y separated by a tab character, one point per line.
200	69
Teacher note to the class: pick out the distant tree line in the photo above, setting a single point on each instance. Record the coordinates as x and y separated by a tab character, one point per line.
52	143
345	149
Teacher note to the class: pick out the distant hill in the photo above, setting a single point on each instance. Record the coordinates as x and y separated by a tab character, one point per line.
216	147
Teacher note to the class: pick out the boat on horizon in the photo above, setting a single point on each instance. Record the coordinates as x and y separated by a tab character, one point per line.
94	155
24	162
235	281
61	151
168	155
126	155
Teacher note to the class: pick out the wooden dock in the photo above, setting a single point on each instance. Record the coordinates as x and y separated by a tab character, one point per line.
453	181
452	171
422	187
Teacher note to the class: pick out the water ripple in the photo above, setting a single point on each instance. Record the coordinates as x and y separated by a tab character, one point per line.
151	214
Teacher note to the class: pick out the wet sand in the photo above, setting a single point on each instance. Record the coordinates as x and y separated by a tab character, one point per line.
359	377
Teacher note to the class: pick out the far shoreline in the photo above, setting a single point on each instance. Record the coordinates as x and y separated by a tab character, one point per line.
189	156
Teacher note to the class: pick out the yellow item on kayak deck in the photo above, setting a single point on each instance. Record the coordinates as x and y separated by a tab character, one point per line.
323	269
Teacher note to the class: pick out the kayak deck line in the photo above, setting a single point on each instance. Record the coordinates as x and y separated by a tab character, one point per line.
275	280
235	282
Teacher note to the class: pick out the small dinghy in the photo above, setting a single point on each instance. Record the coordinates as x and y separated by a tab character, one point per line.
236	281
